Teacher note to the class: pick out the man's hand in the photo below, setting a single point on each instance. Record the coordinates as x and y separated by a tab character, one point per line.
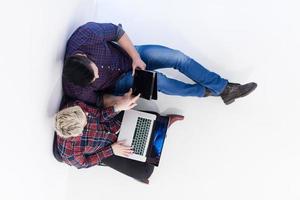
120	149
138	63
126	102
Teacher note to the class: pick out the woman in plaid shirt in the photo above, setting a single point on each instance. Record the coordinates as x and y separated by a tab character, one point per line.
87	135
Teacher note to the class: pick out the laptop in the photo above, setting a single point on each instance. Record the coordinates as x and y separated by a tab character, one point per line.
145	132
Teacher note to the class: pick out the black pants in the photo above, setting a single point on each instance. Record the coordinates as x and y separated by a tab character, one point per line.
132	168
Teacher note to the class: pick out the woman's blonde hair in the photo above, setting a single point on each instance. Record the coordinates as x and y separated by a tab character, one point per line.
70	122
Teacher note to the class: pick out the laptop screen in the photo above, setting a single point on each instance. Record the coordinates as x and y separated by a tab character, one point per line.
157	140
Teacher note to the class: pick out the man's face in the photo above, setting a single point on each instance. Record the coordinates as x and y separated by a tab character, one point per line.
95	70
92	66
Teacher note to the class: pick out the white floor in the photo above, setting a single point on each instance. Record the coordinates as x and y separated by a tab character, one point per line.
248	150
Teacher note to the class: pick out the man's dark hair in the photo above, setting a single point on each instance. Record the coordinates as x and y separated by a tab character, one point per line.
77	70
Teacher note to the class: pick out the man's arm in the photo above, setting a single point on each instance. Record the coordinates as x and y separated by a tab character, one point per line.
112	32
104	32
127	45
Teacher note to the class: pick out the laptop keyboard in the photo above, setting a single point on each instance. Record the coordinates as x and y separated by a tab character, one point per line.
140	135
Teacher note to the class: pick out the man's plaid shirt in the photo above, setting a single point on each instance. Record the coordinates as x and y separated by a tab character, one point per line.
95	142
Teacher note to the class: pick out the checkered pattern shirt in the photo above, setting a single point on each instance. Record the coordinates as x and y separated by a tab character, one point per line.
95	142
97	42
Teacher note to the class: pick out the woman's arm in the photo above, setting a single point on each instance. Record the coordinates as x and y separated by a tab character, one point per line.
79	160
125	102
84	161
103	114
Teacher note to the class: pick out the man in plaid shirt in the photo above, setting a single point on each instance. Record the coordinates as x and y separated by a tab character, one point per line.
101	57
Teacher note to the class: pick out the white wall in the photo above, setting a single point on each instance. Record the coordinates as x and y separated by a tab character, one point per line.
248	150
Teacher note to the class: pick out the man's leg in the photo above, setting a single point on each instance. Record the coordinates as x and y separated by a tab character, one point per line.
123	84
157	57
164	84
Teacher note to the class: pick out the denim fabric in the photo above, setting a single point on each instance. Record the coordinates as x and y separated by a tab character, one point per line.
159	57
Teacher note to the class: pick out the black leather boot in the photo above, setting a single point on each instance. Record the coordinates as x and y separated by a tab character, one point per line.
235	90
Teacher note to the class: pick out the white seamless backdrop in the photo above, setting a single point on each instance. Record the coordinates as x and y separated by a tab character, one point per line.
244	151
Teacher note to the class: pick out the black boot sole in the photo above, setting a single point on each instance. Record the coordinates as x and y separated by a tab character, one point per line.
145	181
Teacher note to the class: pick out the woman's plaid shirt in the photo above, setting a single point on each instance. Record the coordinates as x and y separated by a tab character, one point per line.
95	142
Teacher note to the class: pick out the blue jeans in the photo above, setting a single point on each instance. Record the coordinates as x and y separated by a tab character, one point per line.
158	57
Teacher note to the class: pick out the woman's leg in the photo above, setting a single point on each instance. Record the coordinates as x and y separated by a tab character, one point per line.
157	57
143	170
135	169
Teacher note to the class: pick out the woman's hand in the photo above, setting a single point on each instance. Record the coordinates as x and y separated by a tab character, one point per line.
110	100
120	149
126	102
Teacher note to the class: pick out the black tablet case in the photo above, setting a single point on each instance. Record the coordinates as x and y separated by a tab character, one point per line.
145	83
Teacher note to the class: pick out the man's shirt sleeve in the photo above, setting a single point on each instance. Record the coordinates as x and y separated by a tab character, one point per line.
90	33
106	31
